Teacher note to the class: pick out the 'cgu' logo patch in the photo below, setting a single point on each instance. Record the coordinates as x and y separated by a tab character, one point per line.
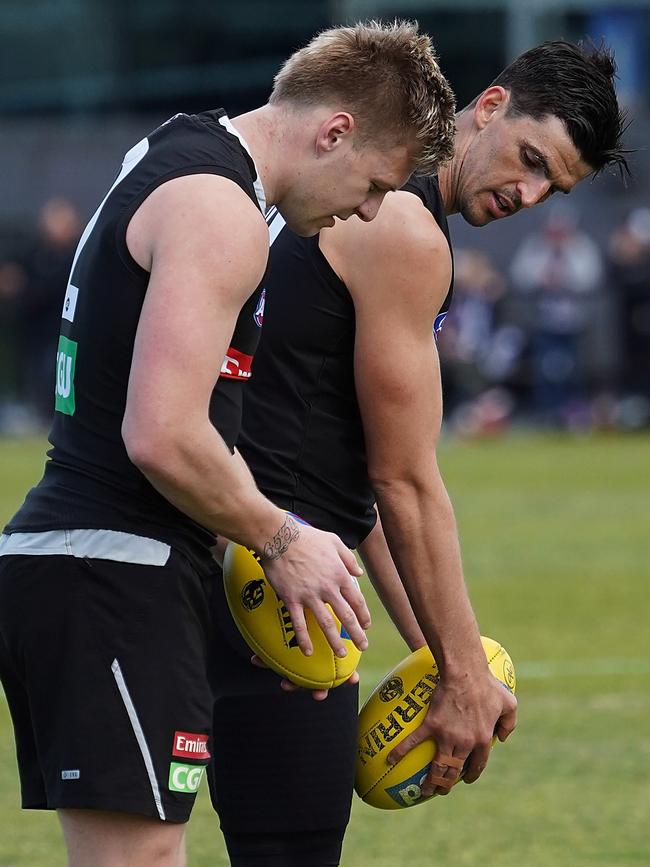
66	359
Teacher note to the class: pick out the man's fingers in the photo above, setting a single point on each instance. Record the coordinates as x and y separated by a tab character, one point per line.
357	602
476	763
444	772
299	623
350	561
506	725
445	768
349	620
316	694
330	629
420	734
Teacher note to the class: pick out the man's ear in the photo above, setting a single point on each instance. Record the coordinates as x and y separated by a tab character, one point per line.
492	102
333	131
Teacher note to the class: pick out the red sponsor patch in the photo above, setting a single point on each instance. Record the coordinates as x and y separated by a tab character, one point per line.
236	365
190	746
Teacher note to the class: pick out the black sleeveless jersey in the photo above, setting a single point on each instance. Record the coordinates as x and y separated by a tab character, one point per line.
89	481
302	433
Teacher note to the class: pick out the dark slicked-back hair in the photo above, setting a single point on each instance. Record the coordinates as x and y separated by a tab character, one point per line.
574	82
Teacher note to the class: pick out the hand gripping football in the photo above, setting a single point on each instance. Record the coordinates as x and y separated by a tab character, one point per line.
266	626
395	709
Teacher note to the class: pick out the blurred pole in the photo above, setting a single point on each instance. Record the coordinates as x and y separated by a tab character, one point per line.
624	31
339	11
521	28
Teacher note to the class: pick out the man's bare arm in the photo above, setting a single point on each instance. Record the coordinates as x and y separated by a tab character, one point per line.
398	269
204	262
385	578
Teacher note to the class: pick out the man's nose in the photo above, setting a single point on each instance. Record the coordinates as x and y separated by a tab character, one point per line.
369	209
532	191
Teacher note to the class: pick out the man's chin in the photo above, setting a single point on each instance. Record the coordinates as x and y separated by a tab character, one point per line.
476	219
306	228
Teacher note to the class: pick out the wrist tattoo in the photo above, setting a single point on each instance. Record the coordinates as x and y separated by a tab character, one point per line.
287	533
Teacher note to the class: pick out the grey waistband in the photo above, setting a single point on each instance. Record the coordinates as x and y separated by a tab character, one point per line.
94	544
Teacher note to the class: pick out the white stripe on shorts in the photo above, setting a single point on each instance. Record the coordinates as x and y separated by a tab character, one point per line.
94	544
139	735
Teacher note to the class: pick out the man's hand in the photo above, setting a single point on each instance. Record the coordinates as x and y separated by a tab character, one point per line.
310	569
289	686
463	716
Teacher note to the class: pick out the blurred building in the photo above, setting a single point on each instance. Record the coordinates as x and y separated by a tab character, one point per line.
79	79
82	80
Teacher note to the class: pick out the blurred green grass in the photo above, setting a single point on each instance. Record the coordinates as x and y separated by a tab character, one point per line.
555	542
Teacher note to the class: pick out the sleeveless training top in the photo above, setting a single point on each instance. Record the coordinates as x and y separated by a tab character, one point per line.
89	481
302	434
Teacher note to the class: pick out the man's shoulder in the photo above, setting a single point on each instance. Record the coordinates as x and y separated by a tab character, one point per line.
406	234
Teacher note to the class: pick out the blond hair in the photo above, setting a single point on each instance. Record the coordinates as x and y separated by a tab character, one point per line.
387	77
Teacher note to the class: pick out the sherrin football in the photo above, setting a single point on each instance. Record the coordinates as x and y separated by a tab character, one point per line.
266	626
395	708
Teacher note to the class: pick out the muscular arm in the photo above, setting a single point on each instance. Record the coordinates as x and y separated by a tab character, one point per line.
204	263
385	579
397	270
201	275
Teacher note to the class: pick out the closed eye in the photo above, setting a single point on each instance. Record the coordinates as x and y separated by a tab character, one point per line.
534	161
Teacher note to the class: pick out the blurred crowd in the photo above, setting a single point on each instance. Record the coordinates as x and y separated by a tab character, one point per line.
561	340
34	273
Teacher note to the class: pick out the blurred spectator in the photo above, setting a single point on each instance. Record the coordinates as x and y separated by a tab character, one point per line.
629	273
12	281
479	349
46	268
560	269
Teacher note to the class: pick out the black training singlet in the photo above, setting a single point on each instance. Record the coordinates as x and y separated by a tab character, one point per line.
89	481
302	434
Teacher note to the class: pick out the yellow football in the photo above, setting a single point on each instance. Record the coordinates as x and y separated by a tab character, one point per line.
395	708
265	623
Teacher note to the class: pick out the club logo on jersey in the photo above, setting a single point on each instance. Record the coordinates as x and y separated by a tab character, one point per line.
185	778
190	746
70	303
439	322
392	689
252	594
258	315
236	365
66	358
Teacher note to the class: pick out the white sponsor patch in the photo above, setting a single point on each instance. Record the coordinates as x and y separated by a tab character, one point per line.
71	775
70	303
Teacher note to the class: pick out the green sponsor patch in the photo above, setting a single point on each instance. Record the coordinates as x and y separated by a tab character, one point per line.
66	358
185	778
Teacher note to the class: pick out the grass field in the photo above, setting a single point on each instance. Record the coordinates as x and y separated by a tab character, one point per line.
555	539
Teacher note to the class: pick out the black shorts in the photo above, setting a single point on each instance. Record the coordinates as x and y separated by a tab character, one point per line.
282	762
104	665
